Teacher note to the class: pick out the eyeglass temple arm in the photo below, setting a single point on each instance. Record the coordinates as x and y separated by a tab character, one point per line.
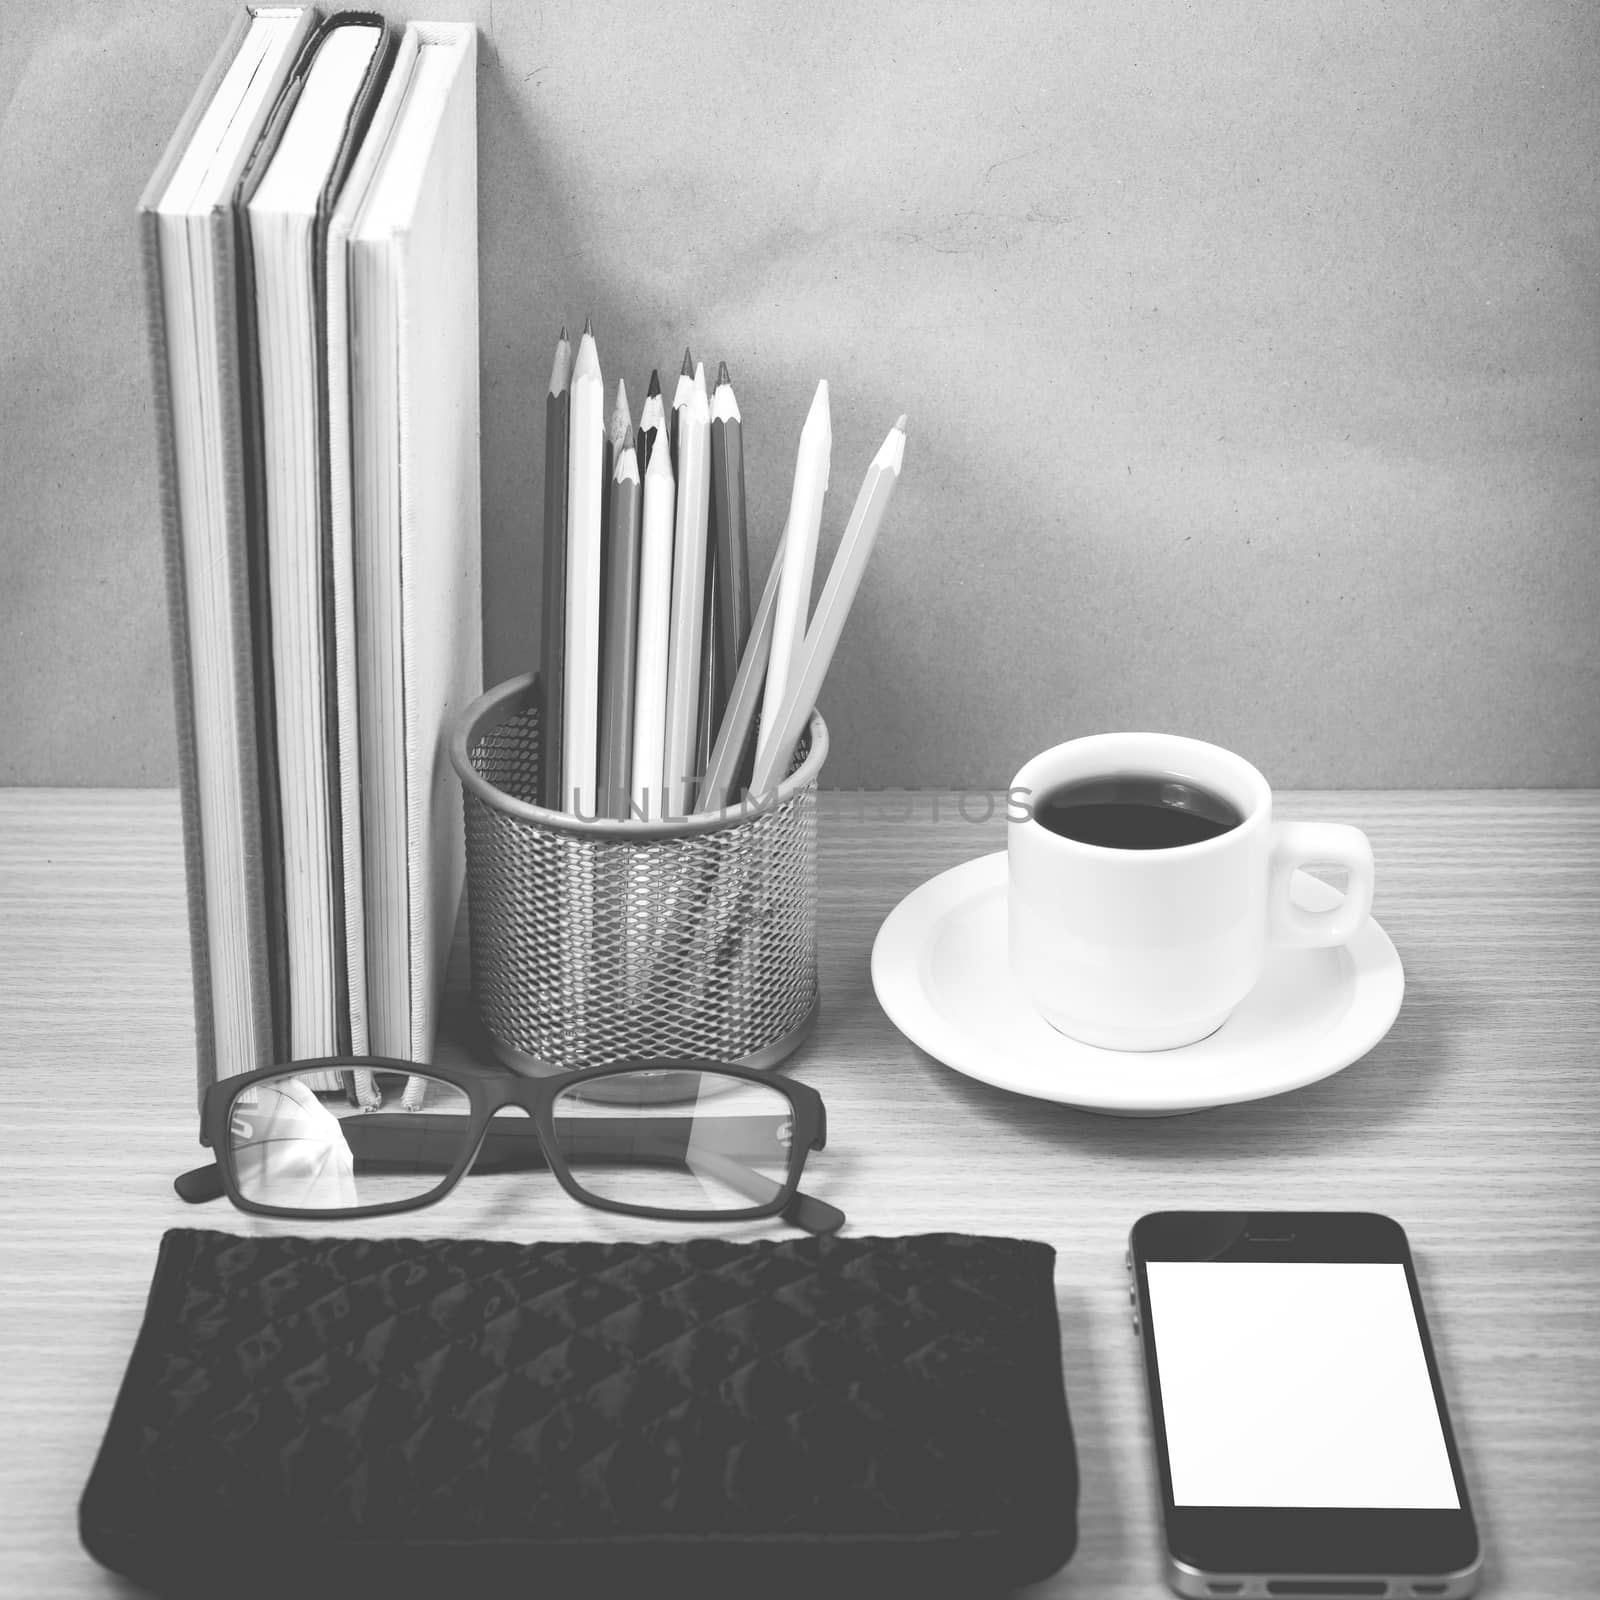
814	1215
200	1184
803	1210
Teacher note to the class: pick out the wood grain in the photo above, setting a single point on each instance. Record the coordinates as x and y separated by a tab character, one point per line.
1474	1123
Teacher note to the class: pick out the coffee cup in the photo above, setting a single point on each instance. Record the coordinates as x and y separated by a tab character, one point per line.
1147	879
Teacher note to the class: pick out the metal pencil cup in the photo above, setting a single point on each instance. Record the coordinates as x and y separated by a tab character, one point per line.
602	941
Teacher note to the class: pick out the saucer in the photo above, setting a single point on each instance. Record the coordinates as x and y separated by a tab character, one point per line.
940	971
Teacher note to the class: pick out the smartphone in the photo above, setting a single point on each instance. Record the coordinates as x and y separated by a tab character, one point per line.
1300	1428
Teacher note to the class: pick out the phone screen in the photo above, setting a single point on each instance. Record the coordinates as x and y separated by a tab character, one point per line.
1296	1383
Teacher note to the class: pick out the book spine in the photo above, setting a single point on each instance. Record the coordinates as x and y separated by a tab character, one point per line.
172	556
435	843
178	628
250	698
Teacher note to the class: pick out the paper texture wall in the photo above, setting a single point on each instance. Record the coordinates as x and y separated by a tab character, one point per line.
1251	354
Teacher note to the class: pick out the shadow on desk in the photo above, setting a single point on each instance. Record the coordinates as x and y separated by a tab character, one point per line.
1109	1550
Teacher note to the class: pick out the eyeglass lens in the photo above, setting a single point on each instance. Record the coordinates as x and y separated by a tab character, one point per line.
676	1140
334	1140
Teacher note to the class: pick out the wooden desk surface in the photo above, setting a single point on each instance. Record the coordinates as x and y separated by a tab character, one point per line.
1474	1123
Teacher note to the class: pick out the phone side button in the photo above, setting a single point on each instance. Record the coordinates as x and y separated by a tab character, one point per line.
1136	1324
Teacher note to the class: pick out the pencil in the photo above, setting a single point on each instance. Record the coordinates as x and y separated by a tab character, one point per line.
652	421
680	398
794	592
732	547
738	720
710	701
619	430
652	650
688	595
553	602
844	578
585	451
709	709
619	437
621	621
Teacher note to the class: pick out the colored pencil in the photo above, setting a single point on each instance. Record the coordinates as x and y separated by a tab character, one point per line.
618	431
833	606
738	720
710	701
654	630
553	610
688	594
652	421
680	398
731	536
709	709
585	452
619	632
794	593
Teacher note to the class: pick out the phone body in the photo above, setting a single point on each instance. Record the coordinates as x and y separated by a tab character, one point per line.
1302	1439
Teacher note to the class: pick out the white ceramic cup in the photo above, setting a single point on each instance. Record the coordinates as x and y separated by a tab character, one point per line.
1152	949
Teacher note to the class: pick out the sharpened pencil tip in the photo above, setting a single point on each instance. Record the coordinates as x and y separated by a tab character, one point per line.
687	369
621	420
722	374
563	332
561	367
900	422
655	384
588	328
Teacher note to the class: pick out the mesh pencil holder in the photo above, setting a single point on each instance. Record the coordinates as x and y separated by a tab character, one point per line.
602	941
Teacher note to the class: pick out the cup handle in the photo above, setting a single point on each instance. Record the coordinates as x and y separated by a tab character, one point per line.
1333	844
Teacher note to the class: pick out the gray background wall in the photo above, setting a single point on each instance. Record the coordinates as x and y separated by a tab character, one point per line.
1251	351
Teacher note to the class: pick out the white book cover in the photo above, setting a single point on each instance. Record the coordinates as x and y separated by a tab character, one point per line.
342	520
314	699
412	269
192	280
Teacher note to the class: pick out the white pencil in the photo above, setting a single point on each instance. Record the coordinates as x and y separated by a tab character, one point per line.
739	715
652	647
688	595
799	561
680	398
585	455
844	578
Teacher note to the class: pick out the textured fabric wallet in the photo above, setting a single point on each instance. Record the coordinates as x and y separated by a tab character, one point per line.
400	1417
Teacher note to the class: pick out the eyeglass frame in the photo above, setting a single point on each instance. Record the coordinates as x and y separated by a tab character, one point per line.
490	1092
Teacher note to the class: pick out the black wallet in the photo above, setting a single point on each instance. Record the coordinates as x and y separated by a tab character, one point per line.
818	1416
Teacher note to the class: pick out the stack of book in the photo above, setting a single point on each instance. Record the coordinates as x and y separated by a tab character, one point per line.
310	253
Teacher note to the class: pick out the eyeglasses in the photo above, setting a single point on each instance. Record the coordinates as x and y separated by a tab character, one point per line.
360	1136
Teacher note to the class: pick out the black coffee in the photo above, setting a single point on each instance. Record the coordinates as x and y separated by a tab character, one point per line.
1133	811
